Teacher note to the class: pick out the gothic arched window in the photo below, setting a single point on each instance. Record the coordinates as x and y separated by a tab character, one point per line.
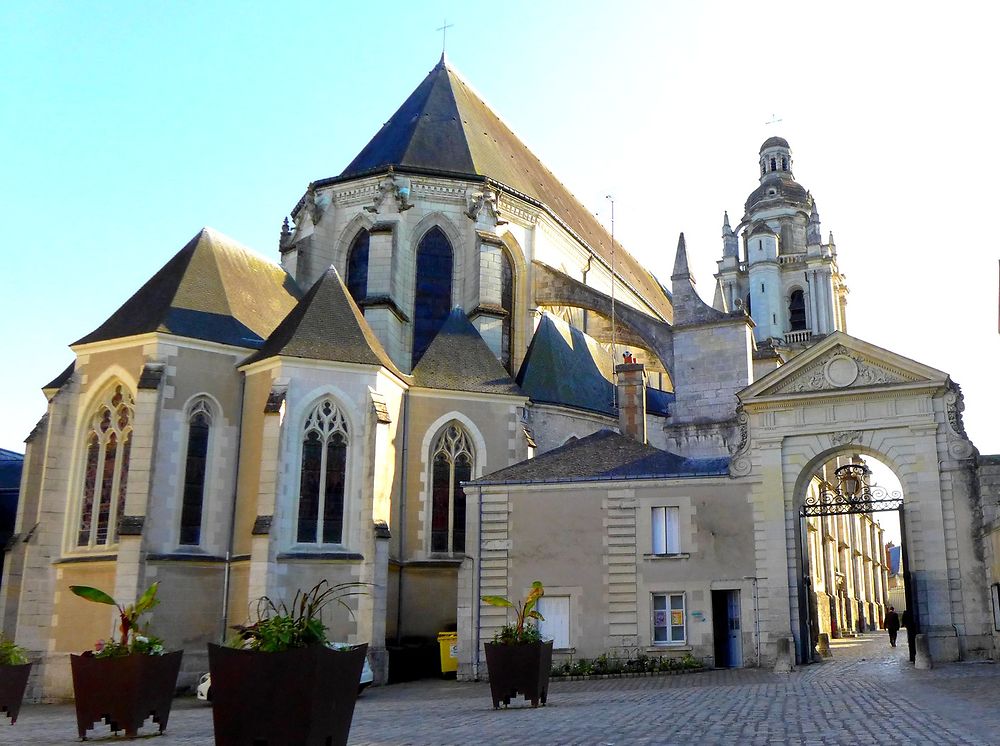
451	465
324	471
433	289
357	267
774	165
507	303
797	310
108	442
195	463
784	163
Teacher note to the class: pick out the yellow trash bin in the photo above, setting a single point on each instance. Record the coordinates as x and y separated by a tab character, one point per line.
448	641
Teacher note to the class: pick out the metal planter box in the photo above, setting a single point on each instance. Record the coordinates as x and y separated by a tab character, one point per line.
124	691
522	668
301	697
13	682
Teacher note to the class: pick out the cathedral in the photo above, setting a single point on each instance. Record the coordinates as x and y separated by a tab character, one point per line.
452	383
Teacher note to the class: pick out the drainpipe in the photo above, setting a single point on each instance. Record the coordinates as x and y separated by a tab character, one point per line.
756	616
402	515
477	586
228	572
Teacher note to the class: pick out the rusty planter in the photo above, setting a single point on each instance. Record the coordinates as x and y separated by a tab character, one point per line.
13	682
300	697
124	691
522	668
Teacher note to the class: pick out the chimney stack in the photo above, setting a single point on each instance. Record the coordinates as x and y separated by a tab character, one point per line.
632	398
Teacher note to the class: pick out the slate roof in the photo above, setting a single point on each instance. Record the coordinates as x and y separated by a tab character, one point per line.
565	366
326	325
59	380
774	142
445	127
785	187
213	289
458	359
605	455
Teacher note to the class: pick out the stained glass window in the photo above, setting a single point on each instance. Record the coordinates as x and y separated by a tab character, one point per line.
199	425
357	267
323	476
452	464
432	301
507	302
105	474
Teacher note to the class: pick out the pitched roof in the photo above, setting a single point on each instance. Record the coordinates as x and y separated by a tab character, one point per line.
326	325
445	127
459	360
565	366
213	289
603	456
59	380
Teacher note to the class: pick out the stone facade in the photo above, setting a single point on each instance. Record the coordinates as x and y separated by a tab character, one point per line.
662	562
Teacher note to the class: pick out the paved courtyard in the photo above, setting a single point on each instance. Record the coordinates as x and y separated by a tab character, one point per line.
868	694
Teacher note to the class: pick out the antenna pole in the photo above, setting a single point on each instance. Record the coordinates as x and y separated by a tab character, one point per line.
614	346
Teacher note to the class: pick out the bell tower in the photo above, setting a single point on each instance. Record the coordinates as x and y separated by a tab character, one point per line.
775	264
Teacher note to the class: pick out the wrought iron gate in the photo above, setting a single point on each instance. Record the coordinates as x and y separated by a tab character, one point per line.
852	494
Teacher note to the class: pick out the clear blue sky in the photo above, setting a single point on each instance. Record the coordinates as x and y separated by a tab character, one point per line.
128	126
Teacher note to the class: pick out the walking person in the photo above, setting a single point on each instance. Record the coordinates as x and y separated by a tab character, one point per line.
892	625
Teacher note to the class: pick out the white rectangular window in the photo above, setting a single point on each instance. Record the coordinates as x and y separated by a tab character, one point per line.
669	619
555	626
666	531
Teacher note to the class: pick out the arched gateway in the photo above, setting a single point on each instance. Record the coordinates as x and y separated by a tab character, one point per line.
844	397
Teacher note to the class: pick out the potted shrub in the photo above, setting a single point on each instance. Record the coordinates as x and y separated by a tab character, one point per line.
125	680
518	660
14	670
280	681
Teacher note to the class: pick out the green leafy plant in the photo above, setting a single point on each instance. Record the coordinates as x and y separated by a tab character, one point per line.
130	640
280	627
11	654
521	631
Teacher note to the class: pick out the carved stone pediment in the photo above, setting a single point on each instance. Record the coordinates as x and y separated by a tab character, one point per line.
842	368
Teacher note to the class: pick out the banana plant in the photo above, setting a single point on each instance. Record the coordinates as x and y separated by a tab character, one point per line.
128	615
524	610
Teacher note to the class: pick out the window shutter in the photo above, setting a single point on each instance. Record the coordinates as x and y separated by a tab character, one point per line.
555	609
659	532
673	530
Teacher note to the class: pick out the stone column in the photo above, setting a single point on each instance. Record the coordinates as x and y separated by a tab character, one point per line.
130	574
260	545
382	305
377	654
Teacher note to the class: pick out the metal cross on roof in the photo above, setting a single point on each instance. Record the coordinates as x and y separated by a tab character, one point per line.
444	33
774	119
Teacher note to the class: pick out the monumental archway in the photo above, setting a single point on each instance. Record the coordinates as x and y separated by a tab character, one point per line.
841	397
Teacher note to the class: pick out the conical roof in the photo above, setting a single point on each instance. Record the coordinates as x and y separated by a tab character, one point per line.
445	127
213	289
326	325
565	366
458	359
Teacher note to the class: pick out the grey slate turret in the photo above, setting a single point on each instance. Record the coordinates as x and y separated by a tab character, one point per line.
458	359
326	325
730	242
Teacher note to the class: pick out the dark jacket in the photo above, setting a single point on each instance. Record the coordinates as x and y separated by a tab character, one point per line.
892	621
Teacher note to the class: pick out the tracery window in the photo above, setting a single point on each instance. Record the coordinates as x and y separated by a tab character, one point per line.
323	475
507	303
108	442
797	310
432	301
357	267
195	464
451	465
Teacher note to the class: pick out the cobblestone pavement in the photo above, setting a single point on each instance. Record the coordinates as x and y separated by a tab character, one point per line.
868	694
